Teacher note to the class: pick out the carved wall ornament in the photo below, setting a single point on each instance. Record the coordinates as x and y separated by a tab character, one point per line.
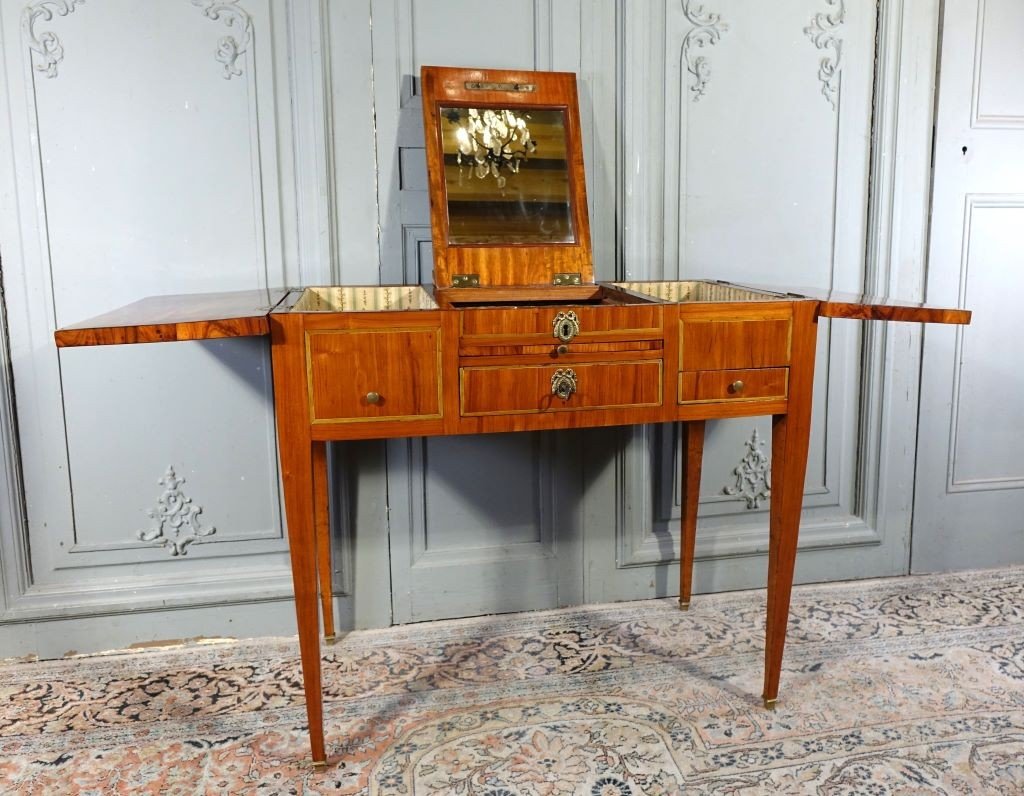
229	48
45	46
708	29
175	520
753	474
822	31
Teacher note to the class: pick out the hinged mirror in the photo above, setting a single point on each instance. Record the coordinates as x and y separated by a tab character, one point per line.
508	198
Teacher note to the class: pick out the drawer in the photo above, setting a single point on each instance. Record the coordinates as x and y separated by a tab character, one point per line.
733	385
720	343
502	326
362	375
525	389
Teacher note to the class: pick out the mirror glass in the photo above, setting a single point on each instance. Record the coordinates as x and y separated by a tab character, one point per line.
506	176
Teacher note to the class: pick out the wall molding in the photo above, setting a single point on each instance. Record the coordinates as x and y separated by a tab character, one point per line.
973	202
229	47
15	574
753	474
46	47
707	30
176	523
542	465
897	244
269	583
980	120
823	32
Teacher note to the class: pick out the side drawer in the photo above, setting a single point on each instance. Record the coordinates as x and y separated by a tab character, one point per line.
720	343
362	375
733	385
527	389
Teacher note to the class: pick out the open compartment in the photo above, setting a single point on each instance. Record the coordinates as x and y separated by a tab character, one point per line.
696	290
381	298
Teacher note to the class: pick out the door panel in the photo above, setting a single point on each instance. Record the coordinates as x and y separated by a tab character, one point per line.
487	525
478	525
969	500
143	161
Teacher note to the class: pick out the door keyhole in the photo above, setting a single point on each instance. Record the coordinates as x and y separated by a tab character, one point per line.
964	150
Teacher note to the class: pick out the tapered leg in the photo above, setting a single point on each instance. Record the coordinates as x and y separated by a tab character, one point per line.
322	523
296	452
790	437
693	454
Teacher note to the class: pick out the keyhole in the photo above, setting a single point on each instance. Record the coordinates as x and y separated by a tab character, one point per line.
565	330
964	150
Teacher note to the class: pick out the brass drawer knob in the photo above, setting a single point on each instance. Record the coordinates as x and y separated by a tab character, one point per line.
563	383
373	397
736	387
565	326
563	349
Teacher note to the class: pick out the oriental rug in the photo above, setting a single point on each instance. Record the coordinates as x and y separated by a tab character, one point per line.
897	686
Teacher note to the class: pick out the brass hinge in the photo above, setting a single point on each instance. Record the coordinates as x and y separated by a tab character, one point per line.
465	280
567	279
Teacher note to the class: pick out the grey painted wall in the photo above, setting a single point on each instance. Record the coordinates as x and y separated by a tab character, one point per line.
147	163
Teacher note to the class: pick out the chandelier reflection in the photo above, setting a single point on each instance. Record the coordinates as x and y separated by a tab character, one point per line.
492	143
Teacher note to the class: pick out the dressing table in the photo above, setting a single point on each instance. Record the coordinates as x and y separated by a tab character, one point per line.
515	334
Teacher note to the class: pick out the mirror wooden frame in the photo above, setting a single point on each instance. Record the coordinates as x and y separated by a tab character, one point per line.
504	264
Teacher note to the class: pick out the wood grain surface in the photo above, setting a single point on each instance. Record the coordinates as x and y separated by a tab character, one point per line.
160	319
504	264
478	370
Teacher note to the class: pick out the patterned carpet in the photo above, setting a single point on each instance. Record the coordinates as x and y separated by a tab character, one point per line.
899	686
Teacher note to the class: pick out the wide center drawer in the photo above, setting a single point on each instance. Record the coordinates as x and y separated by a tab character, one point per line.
526	389
503	326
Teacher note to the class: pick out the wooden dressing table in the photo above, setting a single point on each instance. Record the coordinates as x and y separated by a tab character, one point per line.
515	336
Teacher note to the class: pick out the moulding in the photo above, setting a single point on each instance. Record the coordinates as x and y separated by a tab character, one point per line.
753	474
238	586
973	202
822	32
45	46
707	31
731	541
312	122
175	519
541	462
15	574
229	47
897	242
979	120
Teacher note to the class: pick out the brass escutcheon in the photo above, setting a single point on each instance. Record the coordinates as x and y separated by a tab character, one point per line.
565	326
563	383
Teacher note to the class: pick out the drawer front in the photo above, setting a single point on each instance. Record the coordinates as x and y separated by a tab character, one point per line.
719	344
362	375
528	389
733	385
532	325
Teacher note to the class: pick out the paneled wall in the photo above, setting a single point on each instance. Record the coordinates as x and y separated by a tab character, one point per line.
153	152
970	473
194	145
